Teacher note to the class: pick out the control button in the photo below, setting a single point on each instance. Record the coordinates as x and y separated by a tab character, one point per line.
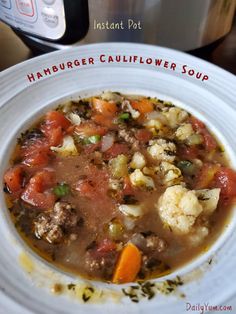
50	17
49	2
6	3
25	7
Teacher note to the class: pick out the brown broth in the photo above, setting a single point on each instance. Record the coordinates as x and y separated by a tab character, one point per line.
96	214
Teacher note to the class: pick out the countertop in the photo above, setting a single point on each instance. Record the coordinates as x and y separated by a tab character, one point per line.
221	53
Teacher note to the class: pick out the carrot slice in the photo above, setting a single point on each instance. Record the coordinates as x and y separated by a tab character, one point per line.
104	107
128	265
103	120
142	105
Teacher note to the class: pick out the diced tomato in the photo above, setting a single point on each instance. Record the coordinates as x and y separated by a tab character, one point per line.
225	179
56	119
128	188
55	136
209	141
142	105
89	128
71	129
196	124
35	152
53	127
103	107
143	135
85	188
106	245
91	148
41	200
116	150
103	120
14	179
43	180
36	192
96	184
206	175
188	152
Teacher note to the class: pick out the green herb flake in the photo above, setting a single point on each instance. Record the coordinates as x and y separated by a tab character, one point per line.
134	287
124	291
221	149
93	139
62	189
87	294
71	286
149	289
124	116
187	167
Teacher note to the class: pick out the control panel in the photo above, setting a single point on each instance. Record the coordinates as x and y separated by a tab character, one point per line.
43	18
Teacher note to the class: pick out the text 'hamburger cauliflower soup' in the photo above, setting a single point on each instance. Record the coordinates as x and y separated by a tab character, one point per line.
119	188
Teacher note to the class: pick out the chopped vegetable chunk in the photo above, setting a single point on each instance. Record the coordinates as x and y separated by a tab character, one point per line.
128	265
14	179
119	188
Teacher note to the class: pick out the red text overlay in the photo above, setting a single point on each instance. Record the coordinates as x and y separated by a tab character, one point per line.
182	69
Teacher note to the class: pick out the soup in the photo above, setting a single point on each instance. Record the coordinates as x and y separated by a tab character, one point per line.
119	188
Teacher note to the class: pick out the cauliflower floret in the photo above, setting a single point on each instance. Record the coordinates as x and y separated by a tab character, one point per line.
184	131
127	107
162	150
131	210
175	116
208	199
171	174
67	148
138	161
178	208
137	178
153	125
118	166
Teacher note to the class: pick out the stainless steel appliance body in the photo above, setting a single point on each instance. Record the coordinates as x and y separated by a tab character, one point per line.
59	24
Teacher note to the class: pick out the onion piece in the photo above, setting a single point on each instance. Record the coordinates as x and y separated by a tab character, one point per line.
139	240
129	223
131	210
74	118
154	115
107	142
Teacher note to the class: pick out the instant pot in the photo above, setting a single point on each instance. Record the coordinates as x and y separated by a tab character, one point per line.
48	25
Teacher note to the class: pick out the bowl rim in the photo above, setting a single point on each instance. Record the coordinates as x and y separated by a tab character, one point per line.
187	267
221	75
